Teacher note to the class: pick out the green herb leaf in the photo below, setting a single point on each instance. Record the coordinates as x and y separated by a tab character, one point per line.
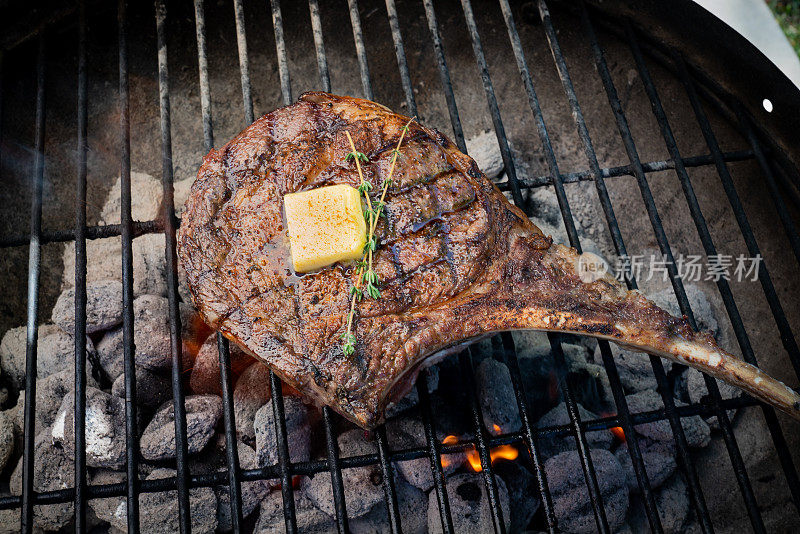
371	244
357	292
364	187
356	154
372	291
370	277
348	349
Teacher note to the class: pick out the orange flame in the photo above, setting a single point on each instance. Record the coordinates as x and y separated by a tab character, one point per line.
504	452
618	433
496	428
449	440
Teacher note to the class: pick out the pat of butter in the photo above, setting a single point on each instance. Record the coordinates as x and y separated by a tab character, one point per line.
325	225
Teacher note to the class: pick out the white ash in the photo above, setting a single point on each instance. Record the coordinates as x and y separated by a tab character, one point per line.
50	392
153	388
104	262
113	510
469	505
145	204
406	433
523	493
558	416
105	428
53	470
363	486
252	391
497	400
253	492
204	376
103	307
6	439
311	519
298	431
56	352
485	150
571	502
203	412
412	505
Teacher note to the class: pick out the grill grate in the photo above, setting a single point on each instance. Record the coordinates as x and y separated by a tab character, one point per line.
697	86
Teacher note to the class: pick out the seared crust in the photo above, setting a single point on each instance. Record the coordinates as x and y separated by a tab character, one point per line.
456	260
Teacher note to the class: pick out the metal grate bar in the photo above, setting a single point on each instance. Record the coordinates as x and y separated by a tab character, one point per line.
435	454
80	282
708	244
202	67
400	52
787	337
499	129
280	46
126	225
479	428
772	186
170	243
319	45
156	226
361	51
444	75
727	431
244	64
34	264
316	466
683	458
231	446
605	349
390	494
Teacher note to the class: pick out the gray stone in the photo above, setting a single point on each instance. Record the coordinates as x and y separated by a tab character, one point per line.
696	389
363	486
469	505
635	371
553	445
153	388
53	470
104	262
253	492
498	403
50	392
406	433
202	415
659	462
252	391
412	505
298	430
701	307
673	505
485	150
205	369
113	510
103	307
159	511
523	493
145	204
309	518
571	502
698	434
105	428
6	439
151	337
56	352
530	343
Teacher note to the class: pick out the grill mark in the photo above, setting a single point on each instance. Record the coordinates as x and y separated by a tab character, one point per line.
424	181
440	217
446	247
396	263
389	145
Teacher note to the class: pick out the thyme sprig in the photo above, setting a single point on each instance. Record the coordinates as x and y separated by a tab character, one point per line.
366	278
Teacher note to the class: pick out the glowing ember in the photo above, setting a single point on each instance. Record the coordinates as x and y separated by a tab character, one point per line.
618	433
504	452
449	440
496	428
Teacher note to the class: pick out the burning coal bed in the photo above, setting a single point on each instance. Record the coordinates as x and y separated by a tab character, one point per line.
363	486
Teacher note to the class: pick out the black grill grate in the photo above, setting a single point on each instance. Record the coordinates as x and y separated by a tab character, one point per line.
697	86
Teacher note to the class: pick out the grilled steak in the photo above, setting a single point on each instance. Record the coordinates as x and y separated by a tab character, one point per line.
455	261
